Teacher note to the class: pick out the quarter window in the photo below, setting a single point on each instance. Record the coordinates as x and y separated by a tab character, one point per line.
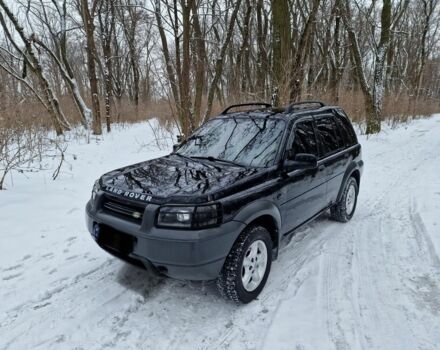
326	129
342	131
346	130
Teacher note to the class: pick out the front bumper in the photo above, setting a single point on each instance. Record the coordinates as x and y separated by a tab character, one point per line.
181	254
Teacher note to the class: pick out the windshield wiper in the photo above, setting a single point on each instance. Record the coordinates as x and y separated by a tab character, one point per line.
213	159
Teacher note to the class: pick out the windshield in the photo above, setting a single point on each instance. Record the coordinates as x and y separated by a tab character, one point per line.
245	141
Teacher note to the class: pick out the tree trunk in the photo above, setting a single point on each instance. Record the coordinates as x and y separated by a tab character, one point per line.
336	64
185	101
302	53
373	96
89	28
200	65
281	45
239	71
262	60
428	10
107	26
167	56
69	79
58	119
373	123
219	61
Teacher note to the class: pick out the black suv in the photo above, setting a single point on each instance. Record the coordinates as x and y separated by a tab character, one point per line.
218	206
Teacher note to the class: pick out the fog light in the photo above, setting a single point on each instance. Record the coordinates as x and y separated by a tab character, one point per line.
96	231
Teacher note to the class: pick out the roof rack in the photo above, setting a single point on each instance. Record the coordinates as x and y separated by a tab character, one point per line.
225	111
294	105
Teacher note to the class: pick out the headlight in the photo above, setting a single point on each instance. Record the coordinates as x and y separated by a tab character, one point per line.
96	188
189	217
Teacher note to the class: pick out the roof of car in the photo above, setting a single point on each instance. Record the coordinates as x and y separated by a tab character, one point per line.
293	111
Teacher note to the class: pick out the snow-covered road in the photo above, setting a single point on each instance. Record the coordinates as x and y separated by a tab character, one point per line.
373	283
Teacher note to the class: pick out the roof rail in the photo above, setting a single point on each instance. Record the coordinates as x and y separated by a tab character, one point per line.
225	111
293	106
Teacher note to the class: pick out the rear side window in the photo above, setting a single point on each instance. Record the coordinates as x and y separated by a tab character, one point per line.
304	140
346	130
330	142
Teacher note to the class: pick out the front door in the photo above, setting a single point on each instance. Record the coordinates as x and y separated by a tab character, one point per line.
303	192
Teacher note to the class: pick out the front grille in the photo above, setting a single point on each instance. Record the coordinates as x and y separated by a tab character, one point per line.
123	209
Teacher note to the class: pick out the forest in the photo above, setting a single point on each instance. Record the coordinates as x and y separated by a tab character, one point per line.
67	63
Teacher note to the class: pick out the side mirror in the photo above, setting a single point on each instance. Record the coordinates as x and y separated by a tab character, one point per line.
180	139
301	161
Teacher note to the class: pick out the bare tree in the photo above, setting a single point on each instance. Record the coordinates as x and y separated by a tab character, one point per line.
58	53
281	46
218	69
302	53
373	94
187	58
107	24
89	28
31	61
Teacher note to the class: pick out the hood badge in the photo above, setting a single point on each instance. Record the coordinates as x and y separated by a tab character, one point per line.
129	194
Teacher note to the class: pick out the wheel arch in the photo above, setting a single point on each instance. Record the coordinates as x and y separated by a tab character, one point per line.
263	213
352	171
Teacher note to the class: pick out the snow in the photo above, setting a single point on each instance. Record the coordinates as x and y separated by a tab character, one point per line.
373	283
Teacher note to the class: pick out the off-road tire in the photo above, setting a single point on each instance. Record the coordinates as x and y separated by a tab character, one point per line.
338	212
229	282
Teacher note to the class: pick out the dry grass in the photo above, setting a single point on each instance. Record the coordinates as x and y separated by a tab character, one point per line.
30	113
396	108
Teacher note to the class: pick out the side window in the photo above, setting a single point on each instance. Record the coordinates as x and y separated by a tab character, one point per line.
326	128
304	140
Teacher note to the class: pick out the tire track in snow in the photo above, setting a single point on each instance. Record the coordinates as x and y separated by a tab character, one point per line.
13	314
296	250
374	283
336	257
332	268
422	234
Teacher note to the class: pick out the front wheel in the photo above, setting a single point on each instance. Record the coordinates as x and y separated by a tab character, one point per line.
343	210
247	266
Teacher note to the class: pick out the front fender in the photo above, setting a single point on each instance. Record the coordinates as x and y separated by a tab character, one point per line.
257	209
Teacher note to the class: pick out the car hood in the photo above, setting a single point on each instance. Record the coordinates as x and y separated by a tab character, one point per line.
179	180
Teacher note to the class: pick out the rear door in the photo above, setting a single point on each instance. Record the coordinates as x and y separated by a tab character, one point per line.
303	191
332	154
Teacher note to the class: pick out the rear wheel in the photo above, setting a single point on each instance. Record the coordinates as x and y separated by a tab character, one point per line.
247	266
343	210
